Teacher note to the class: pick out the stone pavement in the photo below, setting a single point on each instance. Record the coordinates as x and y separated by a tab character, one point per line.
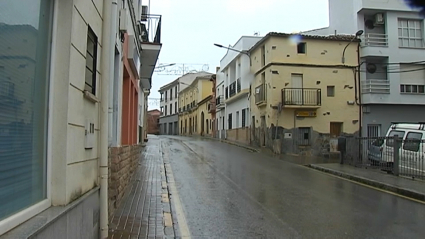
145	211
373	177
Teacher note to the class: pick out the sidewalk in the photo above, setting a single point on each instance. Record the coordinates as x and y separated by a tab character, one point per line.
376	178
146	209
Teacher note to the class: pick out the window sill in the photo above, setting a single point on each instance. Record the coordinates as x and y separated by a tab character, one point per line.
42	220
417	48
409	93
89	96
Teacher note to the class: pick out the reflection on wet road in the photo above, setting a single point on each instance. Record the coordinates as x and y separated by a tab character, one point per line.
229	192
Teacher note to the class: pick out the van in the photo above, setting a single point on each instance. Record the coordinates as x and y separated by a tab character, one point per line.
412	147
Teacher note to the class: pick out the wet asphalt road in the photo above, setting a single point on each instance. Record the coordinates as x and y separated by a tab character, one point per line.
230	192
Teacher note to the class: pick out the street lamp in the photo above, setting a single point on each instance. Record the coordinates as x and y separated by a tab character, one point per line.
243	52
358	33
167	65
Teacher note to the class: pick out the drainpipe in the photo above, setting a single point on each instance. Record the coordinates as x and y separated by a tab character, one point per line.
359	90
107	63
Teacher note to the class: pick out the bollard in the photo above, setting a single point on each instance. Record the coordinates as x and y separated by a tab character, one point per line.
396	154
342	148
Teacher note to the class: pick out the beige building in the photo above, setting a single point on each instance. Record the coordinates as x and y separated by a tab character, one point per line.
303	95
195	103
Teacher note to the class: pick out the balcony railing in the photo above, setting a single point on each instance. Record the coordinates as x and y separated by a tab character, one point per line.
302	96
375	39
150	28
238	85
373	86
232	89
260	94
219	100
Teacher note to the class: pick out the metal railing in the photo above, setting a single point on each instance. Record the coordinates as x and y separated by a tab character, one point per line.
375	86
380	153
150	28
238	85
232	89
219	100
375	39
260	94
302	96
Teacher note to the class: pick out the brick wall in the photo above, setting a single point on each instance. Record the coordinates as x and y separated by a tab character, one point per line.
123	161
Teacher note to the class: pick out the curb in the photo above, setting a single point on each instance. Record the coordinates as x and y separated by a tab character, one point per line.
235	144
391	188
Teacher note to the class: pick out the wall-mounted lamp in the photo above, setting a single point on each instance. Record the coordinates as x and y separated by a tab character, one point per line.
358	33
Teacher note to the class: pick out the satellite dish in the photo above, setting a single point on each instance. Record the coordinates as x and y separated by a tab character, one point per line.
371	68
205	67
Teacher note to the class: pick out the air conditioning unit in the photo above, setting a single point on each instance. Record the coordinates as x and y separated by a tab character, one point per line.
123	20
144	13
379	19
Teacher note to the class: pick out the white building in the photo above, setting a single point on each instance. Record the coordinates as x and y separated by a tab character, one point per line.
392	75
233	83
62	66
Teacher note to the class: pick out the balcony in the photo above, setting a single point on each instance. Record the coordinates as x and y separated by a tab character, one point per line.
219	101
211	107
375	40
374	86
232	89
260	95
150	37
301	97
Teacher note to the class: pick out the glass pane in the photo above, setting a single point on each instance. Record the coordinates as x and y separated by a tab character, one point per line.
418	43
23	114
411	32
414	89
405	32
408	88
412	141
402	88
400	32
405	43
421	89
89	77
90	46
404	23
418	33
390	142
89	62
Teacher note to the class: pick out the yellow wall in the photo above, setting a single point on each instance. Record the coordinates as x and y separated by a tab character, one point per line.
200	89
341	78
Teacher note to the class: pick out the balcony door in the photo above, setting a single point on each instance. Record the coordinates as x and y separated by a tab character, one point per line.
296	94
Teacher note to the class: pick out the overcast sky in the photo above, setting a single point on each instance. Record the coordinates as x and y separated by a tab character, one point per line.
190	27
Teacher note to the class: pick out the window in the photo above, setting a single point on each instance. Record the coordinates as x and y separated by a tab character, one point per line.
373	130
175	92
304	136
162	110
335	129
165	110
171	109
410	33
244	118
230	121
414	89
162	96
237	119
23	127
175	108
413	141
91	62
166	96
301	48
171	94
331	90
390	142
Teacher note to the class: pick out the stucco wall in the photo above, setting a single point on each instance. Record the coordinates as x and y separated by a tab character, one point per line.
331	109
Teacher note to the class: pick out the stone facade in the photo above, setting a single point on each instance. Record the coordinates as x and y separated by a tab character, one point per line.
287	141
123	161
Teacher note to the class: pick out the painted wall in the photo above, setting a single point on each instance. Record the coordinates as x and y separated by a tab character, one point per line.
383	115
326	56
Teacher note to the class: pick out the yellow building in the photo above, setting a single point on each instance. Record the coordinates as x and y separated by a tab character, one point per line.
307	88
194	103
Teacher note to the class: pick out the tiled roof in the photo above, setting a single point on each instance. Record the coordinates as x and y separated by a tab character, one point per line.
305	36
